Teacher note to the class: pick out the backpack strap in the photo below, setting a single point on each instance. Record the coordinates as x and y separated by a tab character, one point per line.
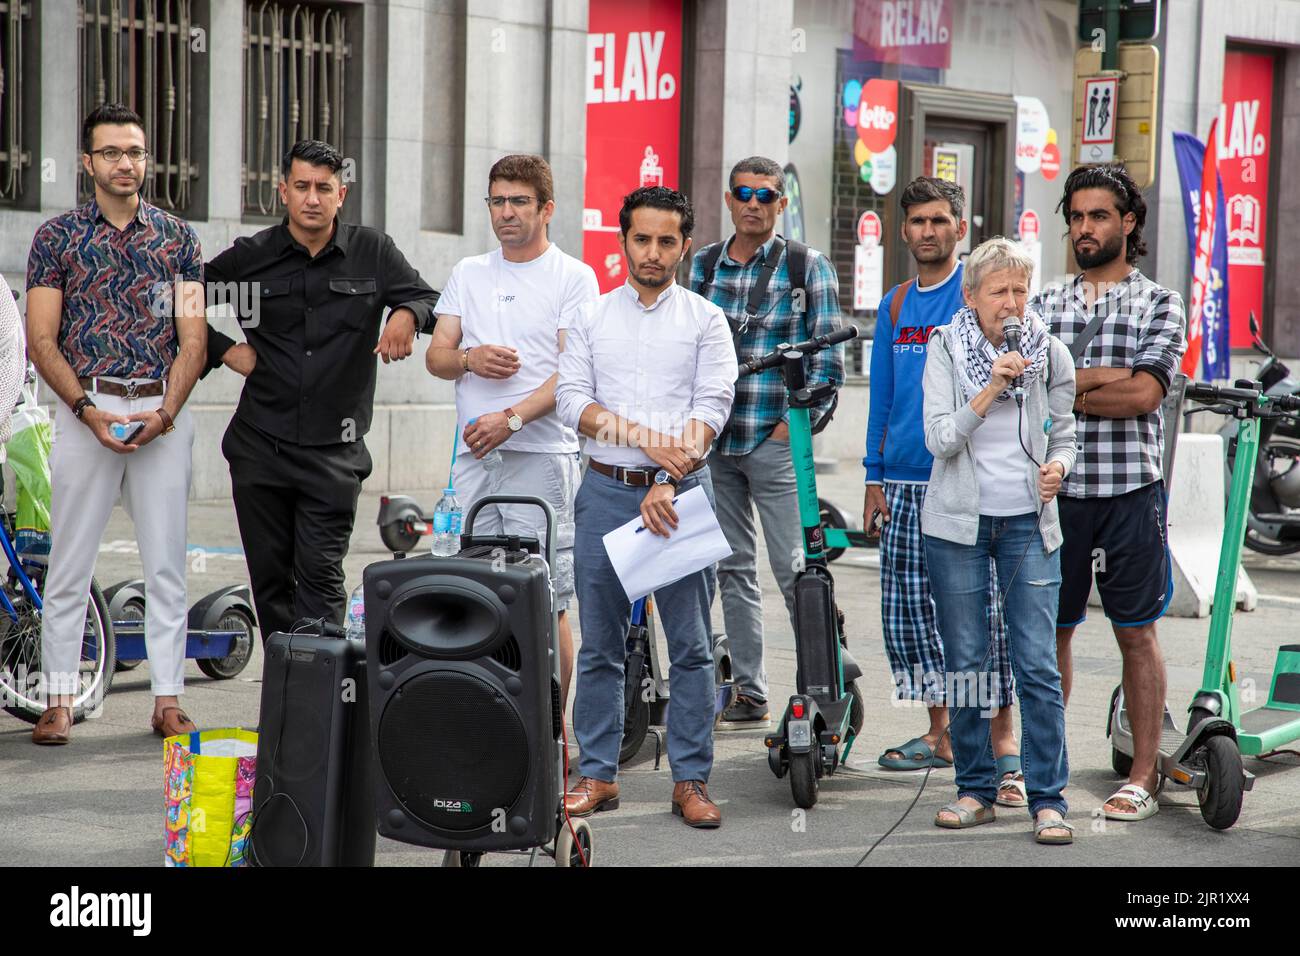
709	257
896	303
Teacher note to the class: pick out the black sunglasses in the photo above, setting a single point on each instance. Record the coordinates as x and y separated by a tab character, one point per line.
765	195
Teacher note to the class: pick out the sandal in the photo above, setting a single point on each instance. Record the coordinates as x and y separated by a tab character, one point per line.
168	726
1144	804
966	817
1011	783
917	755
1042	825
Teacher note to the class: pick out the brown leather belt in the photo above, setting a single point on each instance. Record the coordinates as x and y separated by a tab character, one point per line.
123	390
635	477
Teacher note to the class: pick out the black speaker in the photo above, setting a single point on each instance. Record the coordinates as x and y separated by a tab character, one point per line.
465	715
312	801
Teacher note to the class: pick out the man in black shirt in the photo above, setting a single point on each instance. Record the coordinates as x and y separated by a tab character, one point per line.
319	288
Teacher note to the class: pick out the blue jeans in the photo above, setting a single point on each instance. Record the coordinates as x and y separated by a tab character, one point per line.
961	596
604	614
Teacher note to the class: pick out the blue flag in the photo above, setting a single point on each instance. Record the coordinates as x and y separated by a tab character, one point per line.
1190	154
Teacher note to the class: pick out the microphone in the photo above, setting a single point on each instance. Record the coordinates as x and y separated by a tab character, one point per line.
1012	329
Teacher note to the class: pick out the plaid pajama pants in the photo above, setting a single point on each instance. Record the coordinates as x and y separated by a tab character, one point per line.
907	607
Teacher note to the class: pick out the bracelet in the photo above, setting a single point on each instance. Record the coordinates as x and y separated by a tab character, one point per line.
464	360
1083	404
80	405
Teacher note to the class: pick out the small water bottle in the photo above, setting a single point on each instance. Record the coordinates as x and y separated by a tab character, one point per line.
356	622
446	524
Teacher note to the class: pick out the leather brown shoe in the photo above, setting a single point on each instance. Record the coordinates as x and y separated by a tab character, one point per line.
172	721
589	796
691	802
54	727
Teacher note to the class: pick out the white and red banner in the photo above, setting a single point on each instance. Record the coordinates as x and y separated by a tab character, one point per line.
912	32
634	115
1245	131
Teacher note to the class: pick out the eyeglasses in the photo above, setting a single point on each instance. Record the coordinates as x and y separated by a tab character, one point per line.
113	154
765	195
516	202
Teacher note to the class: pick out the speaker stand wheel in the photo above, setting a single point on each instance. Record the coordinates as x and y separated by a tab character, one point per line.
566	853
460	858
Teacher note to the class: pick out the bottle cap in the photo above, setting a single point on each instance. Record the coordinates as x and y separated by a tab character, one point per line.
449	491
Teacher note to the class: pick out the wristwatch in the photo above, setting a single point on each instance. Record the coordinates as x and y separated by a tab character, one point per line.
169	426
513	420
663	478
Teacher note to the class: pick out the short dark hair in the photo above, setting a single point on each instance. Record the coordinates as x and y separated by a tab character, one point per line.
313	152
110	114
525	168
925	189
759	166
1128	199
657	197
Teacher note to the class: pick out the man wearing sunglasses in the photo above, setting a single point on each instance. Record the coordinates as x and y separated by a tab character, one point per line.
772	291
501	325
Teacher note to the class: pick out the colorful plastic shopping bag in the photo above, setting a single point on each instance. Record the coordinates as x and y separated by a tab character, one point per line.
28	453
208	797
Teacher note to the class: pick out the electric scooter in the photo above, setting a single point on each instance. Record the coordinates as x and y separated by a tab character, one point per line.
825	715
1207	758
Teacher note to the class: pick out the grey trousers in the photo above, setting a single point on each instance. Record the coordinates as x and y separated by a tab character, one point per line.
764	477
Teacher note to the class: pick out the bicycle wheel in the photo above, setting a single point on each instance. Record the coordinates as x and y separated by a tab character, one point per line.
20	655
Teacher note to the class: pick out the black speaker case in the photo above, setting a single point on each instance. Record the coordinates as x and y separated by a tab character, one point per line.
343	834
532	691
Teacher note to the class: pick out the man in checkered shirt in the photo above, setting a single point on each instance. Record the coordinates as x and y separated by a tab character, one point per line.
1112	505
751	463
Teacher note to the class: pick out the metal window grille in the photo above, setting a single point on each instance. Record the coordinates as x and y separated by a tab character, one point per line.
13	157
295	71
138	53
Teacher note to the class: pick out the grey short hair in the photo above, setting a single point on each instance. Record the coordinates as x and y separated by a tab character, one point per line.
994	255
759	166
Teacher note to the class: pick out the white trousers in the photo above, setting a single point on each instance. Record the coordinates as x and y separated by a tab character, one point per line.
86	481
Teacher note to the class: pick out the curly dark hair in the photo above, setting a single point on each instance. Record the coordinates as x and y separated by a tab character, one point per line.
1128	199
657	197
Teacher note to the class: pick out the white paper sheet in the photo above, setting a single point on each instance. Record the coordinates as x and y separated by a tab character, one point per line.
646	561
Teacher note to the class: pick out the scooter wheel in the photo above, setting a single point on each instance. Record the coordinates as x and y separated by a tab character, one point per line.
857	709
567	852
241	652
132	610
803	780
1120	762
832	517
1225	783
636	724
461	858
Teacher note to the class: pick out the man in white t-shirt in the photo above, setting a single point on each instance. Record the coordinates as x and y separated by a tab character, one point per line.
500	329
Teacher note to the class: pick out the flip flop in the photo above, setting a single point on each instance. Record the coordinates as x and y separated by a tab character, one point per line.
917	755
1011	790
966	817
1143	802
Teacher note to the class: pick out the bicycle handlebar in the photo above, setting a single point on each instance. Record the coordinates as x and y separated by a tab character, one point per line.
774	358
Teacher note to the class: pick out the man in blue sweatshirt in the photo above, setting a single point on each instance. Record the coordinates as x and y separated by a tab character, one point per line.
898	470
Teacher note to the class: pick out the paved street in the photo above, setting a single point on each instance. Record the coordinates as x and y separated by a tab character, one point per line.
97	801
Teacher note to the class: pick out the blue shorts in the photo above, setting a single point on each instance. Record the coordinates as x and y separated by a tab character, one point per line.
1123	539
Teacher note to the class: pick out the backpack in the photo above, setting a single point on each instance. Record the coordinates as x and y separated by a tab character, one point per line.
796	264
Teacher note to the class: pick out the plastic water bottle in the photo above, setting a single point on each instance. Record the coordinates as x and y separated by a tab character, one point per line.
446	524
356	622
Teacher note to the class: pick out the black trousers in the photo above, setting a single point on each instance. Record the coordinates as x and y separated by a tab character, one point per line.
296	505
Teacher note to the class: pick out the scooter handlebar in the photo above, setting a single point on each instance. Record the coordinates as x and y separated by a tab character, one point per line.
1203	392
776	357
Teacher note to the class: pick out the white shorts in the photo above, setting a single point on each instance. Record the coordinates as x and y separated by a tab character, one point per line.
550	475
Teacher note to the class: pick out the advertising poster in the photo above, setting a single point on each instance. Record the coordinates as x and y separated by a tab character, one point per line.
634	114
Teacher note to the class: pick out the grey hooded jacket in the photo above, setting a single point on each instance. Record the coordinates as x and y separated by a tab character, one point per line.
952	505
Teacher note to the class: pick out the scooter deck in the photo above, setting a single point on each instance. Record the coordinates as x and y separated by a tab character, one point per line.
1267	728
198	644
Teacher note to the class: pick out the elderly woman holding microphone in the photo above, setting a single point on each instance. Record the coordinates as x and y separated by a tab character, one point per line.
999	394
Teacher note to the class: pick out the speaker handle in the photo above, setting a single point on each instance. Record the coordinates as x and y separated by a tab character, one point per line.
516	500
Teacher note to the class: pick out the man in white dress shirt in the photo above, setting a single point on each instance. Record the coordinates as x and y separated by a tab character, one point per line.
648	375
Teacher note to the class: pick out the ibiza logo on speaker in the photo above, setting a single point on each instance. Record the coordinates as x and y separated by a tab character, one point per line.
453	806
